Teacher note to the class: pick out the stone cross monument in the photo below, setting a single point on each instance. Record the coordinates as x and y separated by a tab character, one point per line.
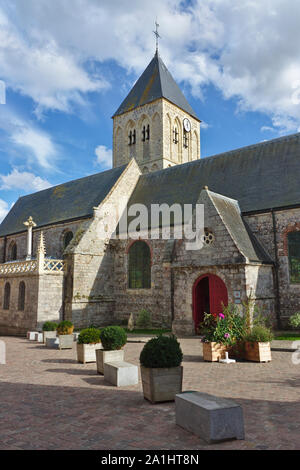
29	224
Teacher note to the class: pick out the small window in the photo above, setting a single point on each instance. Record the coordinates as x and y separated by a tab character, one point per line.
294	257
148	132
144	134
13	252
21	298
132	137
6	302
139	266
67	239
175	135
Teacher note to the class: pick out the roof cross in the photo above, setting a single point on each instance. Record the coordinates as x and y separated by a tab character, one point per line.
156	34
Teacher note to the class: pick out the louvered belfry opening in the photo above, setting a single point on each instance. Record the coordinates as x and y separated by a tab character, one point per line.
139	266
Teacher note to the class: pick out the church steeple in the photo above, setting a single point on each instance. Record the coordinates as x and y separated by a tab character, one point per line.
155	124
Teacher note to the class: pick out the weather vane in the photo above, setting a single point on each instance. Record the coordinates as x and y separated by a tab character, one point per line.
156	34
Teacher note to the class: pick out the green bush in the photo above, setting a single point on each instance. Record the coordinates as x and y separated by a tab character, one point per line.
113	337
49	326
162	351
295	320
259	334
65	327
144	319
89	336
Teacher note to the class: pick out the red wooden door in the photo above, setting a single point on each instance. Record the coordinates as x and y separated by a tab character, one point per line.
217	294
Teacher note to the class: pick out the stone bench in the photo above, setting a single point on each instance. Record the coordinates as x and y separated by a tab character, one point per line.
121	373
31	335
39	337
211	418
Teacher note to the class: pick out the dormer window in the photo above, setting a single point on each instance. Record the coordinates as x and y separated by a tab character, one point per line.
175	135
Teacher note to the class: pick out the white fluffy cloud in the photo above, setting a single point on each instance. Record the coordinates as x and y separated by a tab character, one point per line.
3	209
104	156
26	181
249	50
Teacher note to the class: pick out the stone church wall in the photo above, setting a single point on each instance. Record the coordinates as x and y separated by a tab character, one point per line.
262	226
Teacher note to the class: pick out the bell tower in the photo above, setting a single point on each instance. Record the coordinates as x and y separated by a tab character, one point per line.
155	124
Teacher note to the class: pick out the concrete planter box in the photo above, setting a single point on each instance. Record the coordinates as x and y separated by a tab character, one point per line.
212	352
66	341
87	352
161	384
258	352
107	356
121	373
48	334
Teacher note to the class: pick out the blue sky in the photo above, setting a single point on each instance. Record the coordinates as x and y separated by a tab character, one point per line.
67	70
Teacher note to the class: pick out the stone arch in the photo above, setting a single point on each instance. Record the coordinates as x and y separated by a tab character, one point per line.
144	137
177	145
6	301
168	136
195	146
154	167
21	297
12	251
156	137
130	129
145	169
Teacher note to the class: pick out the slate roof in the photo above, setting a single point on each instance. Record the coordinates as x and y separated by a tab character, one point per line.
245	240
155	82
68	201
259	177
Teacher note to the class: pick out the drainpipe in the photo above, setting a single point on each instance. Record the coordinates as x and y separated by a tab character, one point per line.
276	274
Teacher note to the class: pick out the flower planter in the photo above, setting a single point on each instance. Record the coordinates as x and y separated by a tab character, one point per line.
236	351
212	352
66	341
258	352
161	384
48	334
87	352
103	356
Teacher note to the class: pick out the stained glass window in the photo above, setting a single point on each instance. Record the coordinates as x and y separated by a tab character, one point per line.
139	266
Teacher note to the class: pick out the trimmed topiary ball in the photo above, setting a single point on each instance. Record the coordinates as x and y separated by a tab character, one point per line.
160	352
113	338
49	326
89	336
65	327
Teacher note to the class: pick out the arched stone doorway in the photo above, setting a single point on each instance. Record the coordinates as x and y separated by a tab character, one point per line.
209	292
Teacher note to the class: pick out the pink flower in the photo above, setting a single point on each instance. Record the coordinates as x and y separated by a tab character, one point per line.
221	315
227	335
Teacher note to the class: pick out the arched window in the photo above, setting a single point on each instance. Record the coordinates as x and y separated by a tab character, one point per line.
67	239
13	252
139	266
294	256
21	298
6	296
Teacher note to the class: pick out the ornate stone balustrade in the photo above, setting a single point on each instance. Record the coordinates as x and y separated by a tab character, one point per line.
32	266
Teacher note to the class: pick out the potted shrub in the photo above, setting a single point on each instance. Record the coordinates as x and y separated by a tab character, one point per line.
257	345
295	321
224	332
161	369
113	338
87	343
49	330
64	330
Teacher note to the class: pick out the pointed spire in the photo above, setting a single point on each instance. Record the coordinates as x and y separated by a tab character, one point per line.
41	246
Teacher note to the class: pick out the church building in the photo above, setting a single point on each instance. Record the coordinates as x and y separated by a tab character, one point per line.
55	265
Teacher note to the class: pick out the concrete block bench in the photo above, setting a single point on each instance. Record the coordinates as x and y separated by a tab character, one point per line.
31	335
121	373
211	418
39	337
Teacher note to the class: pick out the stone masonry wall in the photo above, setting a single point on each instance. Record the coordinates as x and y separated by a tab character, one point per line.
262	226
